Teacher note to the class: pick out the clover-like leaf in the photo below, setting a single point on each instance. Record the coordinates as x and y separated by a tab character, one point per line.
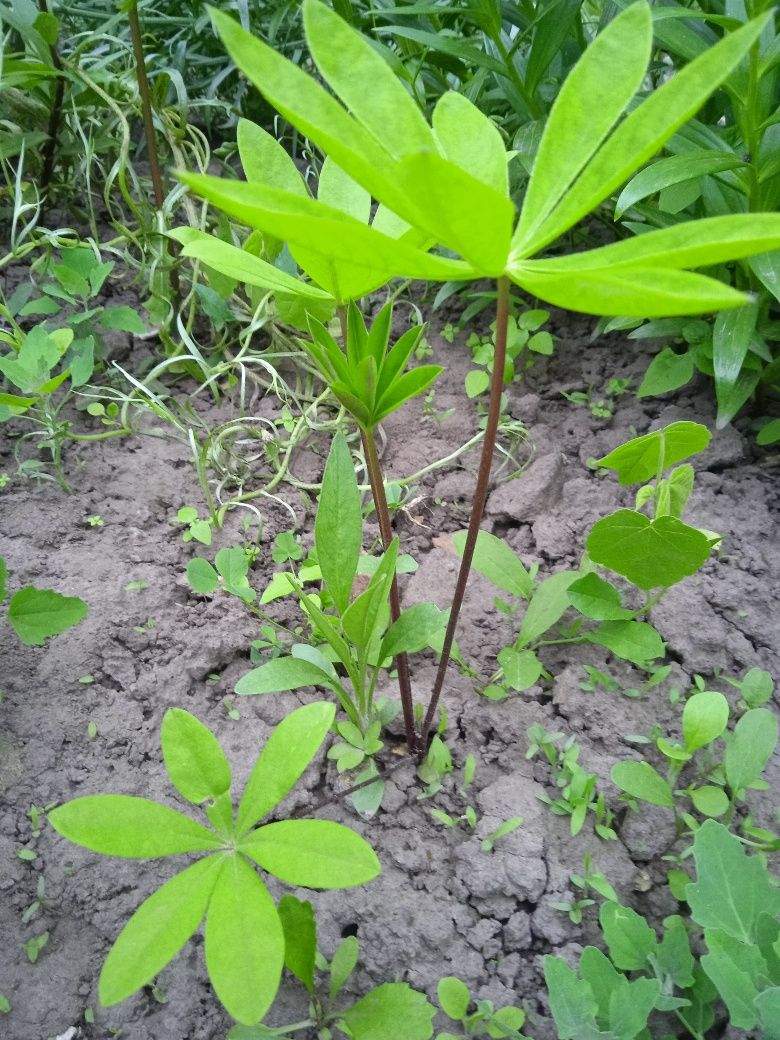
312	853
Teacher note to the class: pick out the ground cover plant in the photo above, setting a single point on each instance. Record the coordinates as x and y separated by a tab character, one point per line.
514	722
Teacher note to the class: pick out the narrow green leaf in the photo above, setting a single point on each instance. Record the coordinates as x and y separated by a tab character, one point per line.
266	161
650	553
731	335
134	828
644	292
363	615
338	528
244	942
282	674
494	560
548	604
673	170
3	578
471	140
300	938
750	748
38	614
312	853
645	130
407	386
343	964
195	762
640	459
587	107
158	929
397	358
288	751
640	780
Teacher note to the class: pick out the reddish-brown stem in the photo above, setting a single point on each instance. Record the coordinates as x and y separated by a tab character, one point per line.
55	115
480	497
149	131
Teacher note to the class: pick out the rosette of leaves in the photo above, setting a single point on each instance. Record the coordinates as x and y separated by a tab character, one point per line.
370	381
245	942
448	181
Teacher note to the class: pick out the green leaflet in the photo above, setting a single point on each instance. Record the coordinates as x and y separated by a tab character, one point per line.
586	109
634	641
134	828
731	336
645	130
630	938
338	528
471	140
300	938
288	751
244	942
673	170
705	717
281	674
312	853
749	748
322	229
361	618
158	929
391	1011
638	291
650	553
365	82
242	265
572	1002
266	161
549	603
195	762
413	630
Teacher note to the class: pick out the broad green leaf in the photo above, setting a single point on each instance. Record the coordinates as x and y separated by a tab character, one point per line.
749	748
266	161
735	968
640	780
365	82
598	971
732	889
646	457
413	630
587	107
673	955
312	853
338	528
705	717
548	604
521	668
323	229
158	929
281	674
631	1005
645	292
494	560
244	942
390	1011
288	751
768	1008
123	319
470	140
597	599
645	130
710	800
634	641
464	213
202	577
300	938
673	170
38	614
630	939
454	997
310	108
667	371
572	1002
134	828
237	263
757	687
195	762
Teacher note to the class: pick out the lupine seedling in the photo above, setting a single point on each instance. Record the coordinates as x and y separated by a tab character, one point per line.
244	934
447	183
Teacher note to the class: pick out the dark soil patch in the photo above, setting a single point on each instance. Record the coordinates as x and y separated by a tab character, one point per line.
441	905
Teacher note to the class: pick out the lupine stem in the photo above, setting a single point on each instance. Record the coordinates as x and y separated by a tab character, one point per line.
55	114
480	498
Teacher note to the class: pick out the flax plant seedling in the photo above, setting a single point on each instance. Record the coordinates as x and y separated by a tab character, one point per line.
244	932
447	184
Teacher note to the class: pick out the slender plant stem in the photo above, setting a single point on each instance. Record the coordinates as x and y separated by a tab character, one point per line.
385	529
150	135
480	497
55	115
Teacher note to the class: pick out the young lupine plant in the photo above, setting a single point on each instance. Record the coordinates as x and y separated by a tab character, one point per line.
448	182
245	940
360	635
